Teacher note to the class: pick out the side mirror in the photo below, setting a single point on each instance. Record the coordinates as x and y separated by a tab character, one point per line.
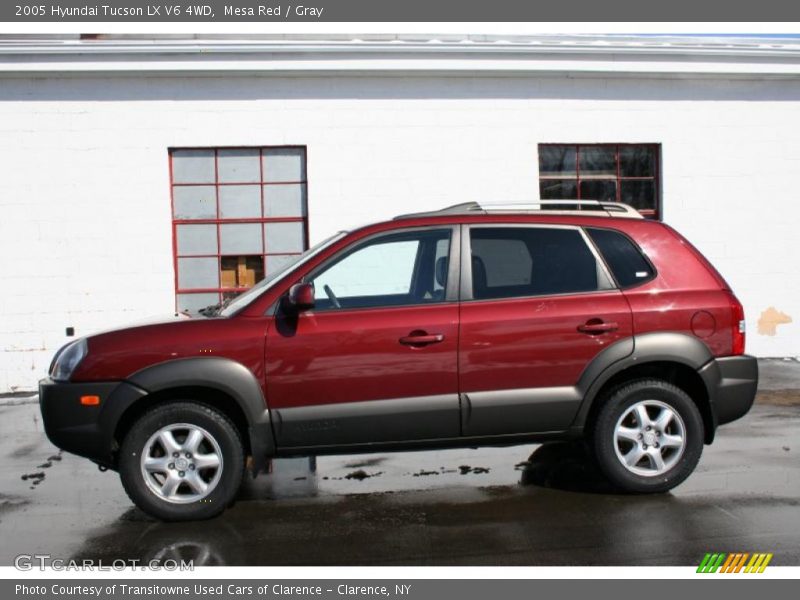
301	296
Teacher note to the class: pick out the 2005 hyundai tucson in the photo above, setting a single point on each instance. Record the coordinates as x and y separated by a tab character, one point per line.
467	326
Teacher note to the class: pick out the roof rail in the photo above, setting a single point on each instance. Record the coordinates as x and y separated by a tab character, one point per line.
609	209
455	209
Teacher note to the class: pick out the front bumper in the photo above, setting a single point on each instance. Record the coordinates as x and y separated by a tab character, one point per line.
731	383
85	430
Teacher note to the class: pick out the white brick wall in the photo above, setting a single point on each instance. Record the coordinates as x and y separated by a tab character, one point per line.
85	230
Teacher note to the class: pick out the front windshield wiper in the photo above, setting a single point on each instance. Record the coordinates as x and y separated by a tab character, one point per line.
210	310
213	310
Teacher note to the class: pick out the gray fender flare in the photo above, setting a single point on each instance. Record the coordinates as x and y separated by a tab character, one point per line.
229	377
640	349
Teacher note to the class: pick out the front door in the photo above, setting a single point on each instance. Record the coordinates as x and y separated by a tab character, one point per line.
375	360
538	307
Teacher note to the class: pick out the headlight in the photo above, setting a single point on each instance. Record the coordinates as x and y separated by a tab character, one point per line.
68	359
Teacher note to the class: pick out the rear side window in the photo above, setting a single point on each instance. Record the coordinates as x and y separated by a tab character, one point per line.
623	258
512	262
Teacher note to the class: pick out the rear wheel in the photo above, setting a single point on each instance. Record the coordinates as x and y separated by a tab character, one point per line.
648	436
182	461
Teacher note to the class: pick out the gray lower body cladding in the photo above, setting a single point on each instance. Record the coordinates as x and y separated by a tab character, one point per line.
400	419
481	418
467	417
732	383
87	431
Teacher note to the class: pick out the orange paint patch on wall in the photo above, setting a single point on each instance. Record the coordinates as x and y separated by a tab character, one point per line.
770	319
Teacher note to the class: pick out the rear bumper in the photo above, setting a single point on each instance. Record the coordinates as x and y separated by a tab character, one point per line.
731	382
85	430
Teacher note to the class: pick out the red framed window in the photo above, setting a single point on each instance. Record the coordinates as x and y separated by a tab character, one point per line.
238	214
626	173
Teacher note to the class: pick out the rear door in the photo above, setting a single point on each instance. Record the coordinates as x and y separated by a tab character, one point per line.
537	306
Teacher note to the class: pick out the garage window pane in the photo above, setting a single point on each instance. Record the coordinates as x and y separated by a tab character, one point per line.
198	273
639	194
282	238
244	238
285	200
239	201
239	166
557	160
193	166
598	160
195	202
196	239
599	189
637	161
284	164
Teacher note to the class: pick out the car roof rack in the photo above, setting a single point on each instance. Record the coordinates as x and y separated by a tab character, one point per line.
601	208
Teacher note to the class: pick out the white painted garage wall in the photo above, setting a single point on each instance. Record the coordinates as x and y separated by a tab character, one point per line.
85	229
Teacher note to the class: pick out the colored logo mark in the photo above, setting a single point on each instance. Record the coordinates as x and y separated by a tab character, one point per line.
734	563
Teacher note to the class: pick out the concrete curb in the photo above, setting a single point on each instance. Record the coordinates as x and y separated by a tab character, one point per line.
18	400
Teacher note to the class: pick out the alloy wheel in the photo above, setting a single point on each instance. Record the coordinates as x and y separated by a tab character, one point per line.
181	463
649	438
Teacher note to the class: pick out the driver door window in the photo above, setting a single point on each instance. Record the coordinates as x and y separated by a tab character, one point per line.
394	270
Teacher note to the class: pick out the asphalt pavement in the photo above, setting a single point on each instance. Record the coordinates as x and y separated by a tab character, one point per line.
523	505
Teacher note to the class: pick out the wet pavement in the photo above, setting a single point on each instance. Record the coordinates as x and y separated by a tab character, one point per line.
524	505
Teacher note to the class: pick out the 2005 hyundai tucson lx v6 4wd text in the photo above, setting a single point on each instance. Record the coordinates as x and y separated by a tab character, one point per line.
473	325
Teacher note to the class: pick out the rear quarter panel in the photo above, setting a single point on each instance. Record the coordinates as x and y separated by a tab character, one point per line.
687	295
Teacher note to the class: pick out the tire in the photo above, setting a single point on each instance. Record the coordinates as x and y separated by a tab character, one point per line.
620	435
182	461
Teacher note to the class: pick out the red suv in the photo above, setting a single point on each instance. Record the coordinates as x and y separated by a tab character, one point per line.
472	325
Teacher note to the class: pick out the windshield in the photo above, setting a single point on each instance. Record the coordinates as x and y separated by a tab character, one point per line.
237	303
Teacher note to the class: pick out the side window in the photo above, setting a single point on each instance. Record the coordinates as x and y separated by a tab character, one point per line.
506	261
392	270
624	259
512	262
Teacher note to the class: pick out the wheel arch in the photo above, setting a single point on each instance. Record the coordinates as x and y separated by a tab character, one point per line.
222	383
203	395
673	357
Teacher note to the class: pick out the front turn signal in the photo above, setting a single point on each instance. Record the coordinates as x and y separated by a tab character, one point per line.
90	400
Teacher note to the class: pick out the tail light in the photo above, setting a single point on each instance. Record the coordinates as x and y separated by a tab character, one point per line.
737	326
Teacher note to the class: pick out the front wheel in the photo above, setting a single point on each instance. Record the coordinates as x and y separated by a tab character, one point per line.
648	436
182	461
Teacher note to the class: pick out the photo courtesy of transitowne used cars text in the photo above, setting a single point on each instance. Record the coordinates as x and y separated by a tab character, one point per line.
468	326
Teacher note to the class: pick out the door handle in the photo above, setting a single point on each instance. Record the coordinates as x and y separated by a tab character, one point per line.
420	338
595	326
